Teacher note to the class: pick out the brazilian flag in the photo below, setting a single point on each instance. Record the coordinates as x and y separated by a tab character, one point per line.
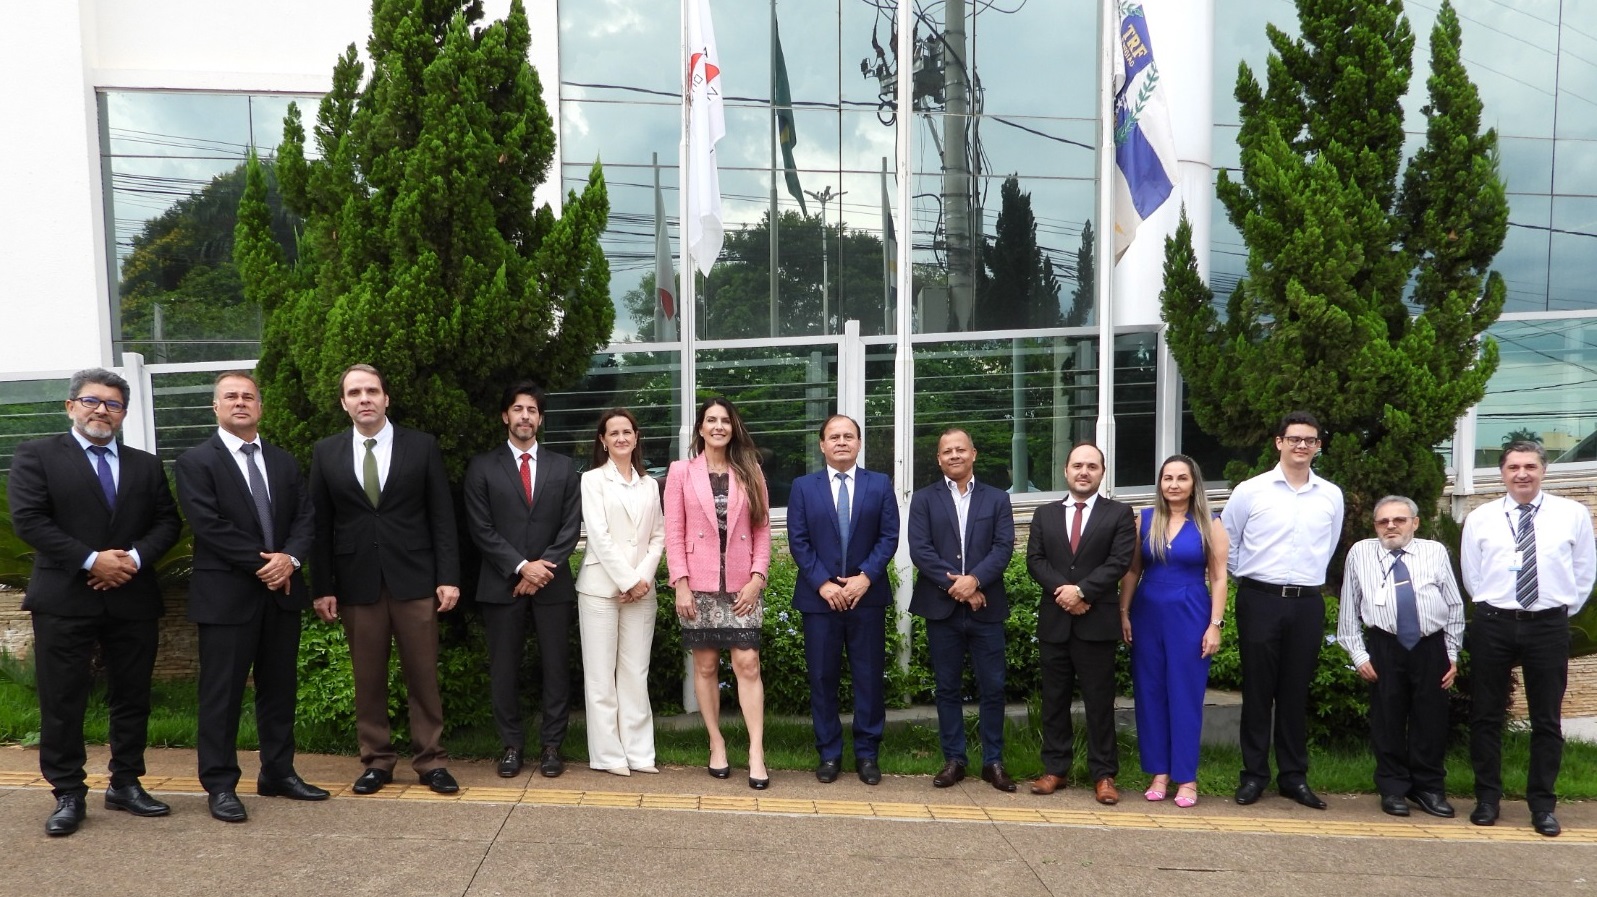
787	137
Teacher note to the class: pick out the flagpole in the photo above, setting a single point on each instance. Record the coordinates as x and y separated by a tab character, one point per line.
889	252
1104	292
775	246
903	351
687	294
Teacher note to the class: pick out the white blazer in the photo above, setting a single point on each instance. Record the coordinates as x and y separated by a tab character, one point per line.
624	545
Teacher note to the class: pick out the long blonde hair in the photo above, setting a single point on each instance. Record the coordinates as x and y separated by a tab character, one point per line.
1197	510
741	455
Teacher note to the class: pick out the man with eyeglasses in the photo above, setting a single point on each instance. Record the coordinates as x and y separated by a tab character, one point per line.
1284	524
1529	563
1401	623
99	516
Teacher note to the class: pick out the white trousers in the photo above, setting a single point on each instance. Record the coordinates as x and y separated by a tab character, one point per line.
616	640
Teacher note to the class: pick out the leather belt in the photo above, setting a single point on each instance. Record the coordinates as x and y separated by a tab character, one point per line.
1487	610
1277	590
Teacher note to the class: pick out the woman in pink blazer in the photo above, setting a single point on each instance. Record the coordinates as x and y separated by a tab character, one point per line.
718	549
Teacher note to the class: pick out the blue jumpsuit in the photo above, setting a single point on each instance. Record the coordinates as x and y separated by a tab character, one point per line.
1170	612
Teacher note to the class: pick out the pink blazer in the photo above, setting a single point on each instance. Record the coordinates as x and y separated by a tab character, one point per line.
692	539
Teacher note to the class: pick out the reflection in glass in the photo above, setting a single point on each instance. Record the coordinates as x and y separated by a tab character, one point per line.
783	396
645	383
184	416
1545	388
29	409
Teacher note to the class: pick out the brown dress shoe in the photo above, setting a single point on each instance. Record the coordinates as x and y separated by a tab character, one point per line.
952	773
1047	784
1105	792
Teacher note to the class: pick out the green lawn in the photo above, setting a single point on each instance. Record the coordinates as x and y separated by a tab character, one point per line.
907	749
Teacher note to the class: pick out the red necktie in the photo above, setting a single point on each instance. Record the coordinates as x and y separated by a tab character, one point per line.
526	474
1075	526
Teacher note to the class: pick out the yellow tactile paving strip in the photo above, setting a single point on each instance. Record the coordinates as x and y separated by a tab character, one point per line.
1124	818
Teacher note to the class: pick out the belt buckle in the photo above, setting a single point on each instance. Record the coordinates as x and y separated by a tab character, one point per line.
1291	591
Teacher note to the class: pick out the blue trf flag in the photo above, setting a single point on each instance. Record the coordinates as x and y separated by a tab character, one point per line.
1145	150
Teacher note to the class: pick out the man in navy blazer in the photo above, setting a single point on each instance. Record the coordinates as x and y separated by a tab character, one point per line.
961	534
842	528
99	516
386	560
251	515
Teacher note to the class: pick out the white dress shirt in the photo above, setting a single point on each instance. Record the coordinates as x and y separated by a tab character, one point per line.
235	444
852	476
1071	511
114	460
1369	595
1280	534
384	450
961	510
532	463
1566	553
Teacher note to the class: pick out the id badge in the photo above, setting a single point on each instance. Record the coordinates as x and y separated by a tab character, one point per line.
1516	562
1384	594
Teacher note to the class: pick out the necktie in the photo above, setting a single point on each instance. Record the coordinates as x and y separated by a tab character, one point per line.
103	468
1408	611
263	502
1525	587
1075	525
844	509
368	474
526	476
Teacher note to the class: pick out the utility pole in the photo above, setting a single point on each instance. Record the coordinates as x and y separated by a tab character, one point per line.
957	223
824	196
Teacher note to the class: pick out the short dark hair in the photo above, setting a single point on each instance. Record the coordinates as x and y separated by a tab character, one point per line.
1300	417
1102	458
241	375
1523	445
828	422
521	388
101	377
364	368
949	431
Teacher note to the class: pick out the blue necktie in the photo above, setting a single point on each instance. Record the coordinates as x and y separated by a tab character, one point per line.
843	510
1408	611
103	468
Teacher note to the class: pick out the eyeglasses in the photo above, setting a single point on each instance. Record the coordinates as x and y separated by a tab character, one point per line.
112	406
1384	522
1308	441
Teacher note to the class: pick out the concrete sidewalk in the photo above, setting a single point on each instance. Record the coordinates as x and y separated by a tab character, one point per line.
682	832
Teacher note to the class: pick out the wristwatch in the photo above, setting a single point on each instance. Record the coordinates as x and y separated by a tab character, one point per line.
1218	623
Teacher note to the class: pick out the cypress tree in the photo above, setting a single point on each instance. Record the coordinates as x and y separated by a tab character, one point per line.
422	252
1363	301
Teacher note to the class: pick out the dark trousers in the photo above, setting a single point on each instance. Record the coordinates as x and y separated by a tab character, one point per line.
269	644
1497	641
863	631
949	641
63	649
507	647
1093	665
1279	639
373	630
1408	713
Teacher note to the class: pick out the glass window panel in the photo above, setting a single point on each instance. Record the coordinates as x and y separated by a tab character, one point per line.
1577	70
1017	55
1572	281
629	239
880	407
1526	164
626	133
1136	434
1523	259
30	409
623	43
1510	52
178	125
1575	170
1545	387
1022	424
783	395
645	383
1239	36
184	416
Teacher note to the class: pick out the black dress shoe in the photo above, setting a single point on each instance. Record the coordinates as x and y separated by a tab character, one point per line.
1545	823
1433	802
226	807
134	799
372	781
1248	792
869	772
1394	805
1303	795
952	773
510	763
66	818
440	781
1484	813
290	786
550	763
994	775
827	771
720	772
759	784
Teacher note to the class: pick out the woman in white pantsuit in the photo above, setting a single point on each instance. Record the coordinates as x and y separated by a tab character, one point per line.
615	596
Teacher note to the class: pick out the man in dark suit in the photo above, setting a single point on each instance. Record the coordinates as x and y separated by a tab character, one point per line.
99	516
524	509
385	552
1078	563
842	527
251	516
961	534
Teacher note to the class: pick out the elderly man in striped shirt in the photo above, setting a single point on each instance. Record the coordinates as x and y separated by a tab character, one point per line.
1402	621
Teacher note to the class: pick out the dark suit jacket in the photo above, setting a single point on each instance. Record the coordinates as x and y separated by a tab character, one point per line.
817	546
58	508
1107	543
227	533
934	548
508	531
408	541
